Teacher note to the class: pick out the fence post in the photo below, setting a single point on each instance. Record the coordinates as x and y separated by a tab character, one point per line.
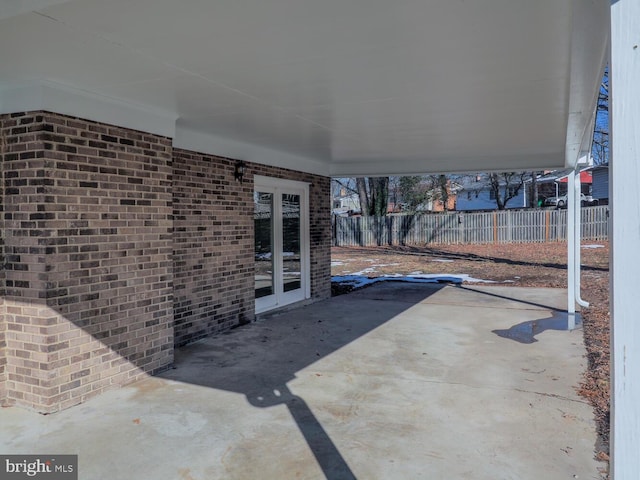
547	221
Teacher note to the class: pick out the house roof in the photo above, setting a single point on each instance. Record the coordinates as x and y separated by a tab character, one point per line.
343	88
585	177
473	185
561	176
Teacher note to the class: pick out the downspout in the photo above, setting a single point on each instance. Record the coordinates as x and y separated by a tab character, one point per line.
573	239
578	223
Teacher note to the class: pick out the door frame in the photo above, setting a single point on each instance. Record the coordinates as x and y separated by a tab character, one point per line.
279	186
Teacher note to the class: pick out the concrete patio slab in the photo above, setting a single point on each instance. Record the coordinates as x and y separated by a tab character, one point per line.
394	381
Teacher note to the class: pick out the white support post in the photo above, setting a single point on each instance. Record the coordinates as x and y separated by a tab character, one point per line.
571	244
624	182
577	189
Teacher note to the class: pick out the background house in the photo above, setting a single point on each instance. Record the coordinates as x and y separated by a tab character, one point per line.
554	184
600	186
475	194
345	202
436	204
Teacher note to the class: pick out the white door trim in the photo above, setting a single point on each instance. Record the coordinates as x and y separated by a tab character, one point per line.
279	187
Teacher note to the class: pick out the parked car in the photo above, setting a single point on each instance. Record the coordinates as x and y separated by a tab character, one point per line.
561	202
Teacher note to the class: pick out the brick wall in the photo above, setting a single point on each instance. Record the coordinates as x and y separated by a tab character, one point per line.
116	247
3	352
3	323
213	246
213	242
88	257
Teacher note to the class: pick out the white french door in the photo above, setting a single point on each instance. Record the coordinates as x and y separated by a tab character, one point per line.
281	239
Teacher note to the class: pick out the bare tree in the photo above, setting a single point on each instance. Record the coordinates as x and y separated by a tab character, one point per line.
506	185
414	191
600	146
442	192
374	195
534	190
419	190
343	186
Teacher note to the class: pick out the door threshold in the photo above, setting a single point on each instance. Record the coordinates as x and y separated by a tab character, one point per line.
285	308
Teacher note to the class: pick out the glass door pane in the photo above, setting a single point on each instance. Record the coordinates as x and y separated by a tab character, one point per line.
264	258
291	266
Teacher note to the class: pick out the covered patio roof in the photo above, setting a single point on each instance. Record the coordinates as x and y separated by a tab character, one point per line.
360	87
334	87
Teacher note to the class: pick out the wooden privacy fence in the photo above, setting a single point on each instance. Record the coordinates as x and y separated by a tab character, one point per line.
508	226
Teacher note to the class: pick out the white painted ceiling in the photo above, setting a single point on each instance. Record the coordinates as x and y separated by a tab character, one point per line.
338	87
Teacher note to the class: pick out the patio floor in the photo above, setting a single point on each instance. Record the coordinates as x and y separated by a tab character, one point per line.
393	381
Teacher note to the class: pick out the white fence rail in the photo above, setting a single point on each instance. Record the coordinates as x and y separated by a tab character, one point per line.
508	226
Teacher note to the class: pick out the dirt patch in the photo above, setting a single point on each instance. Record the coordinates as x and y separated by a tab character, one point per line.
520	265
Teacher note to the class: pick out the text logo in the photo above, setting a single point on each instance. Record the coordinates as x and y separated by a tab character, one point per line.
46	467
